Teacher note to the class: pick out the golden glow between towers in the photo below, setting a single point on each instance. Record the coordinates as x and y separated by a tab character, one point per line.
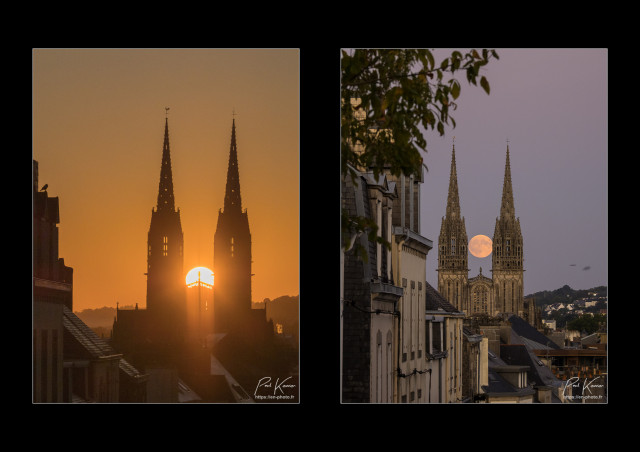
199	274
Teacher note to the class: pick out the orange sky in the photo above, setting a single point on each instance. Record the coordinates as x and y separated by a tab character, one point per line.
98	127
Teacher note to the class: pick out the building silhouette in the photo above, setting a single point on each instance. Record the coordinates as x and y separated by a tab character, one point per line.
53	280
212	349
165	276
70	362
503	293
232	263
154	338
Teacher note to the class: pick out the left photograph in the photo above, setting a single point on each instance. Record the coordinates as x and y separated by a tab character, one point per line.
165	230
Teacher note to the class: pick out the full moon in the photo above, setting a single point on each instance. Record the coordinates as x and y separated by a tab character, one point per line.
480	246
202	274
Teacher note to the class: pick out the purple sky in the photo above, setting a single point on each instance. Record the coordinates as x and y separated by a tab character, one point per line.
551	104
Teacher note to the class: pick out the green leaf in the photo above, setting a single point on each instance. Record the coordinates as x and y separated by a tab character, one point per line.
430	58
444	63
485	84
455	89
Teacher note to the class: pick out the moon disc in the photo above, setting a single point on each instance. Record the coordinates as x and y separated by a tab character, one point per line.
480	246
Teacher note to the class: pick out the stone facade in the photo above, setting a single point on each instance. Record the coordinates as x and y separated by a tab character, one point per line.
453	271
369	296
504	291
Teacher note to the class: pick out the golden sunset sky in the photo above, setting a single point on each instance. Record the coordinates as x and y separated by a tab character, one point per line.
98	129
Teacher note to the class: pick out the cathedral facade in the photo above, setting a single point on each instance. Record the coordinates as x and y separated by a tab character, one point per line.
503	292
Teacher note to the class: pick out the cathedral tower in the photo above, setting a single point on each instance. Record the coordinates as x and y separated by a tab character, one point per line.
508	253
453	271
166	295
232	254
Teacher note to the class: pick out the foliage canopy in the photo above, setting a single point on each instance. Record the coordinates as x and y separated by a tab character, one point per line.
388	95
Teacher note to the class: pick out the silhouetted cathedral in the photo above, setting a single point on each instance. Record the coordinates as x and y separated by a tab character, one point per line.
156	335
504	292
232	260
166	293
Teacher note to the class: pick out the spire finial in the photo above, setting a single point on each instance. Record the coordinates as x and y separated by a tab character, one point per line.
166	112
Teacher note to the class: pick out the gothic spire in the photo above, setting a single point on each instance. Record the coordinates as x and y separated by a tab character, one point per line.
507	208
232	199
165	189
453	201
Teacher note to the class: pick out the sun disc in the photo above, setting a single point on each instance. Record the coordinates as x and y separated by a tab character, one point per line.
480	246
202	274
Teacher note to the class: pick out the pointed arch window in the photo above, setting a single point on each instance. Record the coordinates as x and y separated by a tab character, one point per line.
165	245
232	246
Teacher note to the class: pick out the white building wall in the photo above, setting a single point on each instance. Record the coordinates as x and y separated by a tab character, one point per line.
409	269
381	346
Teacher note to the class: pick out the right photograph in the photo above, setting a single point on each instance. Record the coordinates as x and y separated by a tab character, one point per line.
474	219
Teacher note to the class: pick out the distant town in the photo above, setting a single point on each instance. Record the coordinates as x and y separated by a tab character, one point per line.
565	305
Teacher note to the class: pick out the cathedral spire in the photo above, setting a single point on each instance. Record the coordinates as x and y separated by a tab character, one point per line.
507	208
232	201
453	201
453	271
165	190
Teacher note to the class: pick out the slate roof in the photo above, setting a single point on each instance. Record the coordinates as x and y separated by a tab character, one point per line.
525	331
497	384
82	342
524	339
434	301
